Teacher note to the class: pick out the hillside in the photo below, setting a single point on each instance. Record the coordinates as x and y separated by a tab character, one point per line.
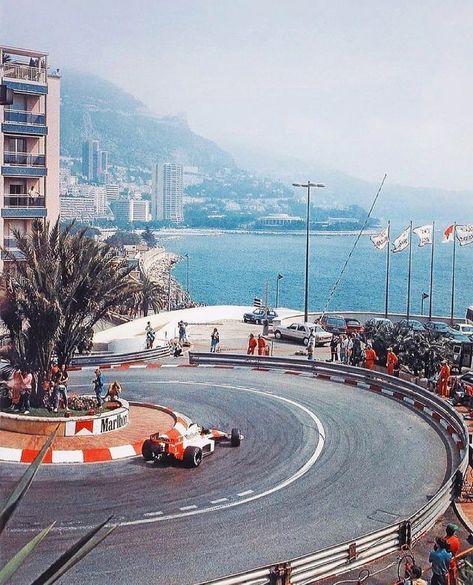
94	108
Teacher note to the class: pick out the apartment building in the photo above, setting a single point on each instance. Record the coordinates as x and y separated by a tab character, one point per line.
166	199
29	143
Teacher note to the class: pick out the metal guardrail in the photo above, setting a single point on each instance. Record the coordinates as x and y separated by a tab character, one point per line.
359	551
101	359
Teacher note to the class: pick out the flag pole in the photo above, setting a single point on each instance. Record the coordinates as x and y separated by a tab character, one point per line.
386	297
431	271
452	306
409	275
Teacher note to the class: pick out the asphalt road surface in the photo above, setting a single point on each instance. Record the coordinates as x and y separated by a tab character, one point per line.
320	463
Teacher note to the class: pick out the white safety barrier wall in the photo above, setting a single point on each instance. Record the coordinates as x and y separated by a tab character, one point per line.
358	552
100	359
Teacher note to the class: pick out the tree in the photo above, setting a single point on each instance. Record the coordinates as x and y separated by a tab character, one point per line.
123	238
148	295
149	238
55	293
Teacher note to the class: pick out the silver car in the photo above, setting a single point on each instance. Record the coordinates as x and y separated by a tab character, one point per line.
301	331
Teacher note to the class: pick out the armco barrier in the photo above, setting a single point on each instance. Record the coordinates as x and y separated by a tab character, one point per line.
100	359
360	551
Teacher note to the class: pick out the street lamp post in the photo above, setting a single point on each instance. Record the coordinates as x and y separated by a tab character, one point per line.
307	186
277	290
424	296
186	256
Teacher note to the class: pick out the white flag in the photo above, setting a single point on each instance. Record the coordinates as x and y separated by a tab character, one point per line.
402	241
448	234
425	233
380	240
465	234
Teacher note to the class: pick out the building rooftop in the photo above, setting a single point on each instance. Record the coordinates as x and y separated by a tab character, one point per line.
22	52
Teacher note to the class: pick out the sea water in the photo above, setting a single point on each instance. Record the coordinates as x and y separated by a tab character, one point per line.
233	268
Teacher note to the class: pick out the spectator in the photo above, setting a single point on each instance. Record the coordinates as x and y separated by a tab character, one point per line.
454	545
357	352
416	576
177	351
311	345
182	332
343	348
252	343
440	559
261	345
214	340
370	357
26	381
98	386
150	336
334	348
62	379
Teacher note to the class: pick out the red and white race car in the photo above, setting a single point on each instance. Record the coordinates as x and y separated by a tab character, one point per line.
189	443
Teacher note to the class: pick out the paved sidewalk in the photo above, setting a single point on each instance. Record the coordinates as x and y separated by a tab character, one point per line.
119	444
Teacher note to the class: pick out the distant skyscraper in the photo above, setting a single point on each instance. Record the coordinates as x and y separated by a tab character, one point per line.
90	160
102	171
167	192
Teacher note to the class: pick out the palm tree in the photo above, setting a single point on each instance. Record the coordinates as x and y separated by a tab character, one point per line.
55	293
149	295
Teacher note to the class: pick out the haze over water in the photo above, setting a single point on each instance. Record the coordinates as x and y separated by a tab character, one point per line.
233	268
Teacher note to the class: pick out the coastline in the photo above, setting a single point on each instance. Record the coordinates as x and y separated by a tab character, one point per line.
176	232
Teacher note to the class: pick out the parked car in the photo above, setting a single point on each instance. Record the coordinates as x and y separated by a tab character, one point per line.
353	325
438	327
301	331
378	322
333	324
412	324
465	328
259	315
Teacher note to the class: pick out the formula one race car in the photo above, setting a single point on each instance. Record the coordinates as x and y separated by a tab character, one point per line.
187	443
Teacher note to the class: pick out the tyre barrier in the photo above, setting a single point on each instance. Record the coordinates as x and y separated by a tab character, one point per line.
101	359
367	548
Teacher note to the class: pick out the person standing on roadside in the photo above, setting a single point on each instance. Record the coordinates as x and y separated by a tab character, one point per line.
61	386
311	345
98	386
444	375
370	357
334	348
343	348
454	545
391	361
440	559
252	343
214	340
26	381
261	345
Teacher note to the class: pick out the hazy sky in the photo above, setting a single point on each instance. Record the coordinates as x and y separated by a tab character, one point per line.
365	86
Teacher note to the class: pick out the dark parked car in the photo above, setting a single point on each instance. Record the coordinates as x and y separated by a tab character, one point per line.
353	325
438	327
259	315
333	324
412	324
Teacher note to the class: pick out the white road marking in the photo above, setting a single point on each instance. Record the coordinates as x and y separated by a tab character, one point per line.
153	513
185	508
219	501
247	493
251	498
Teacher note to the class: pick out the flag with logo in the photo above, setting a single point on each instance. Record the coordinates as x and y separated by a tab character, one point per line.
465	234
425	234
402	241
448	234
382	239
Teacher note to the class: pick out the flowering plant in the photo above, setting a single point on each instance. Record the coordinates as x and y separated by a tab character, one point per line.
81	402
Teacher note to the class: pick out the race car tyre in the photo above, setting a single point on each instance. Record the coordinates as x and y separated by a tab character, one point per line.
147	450
305	341
235	438
277	334
193	456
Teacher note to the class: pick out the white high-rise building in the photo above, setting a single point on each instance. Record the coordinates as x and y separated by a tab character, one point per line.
139	210
166	198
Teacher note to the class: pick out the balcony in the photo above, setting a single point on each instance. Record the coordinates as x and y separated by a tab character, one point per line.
23	122
24	72
10	245
23	164
23	205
